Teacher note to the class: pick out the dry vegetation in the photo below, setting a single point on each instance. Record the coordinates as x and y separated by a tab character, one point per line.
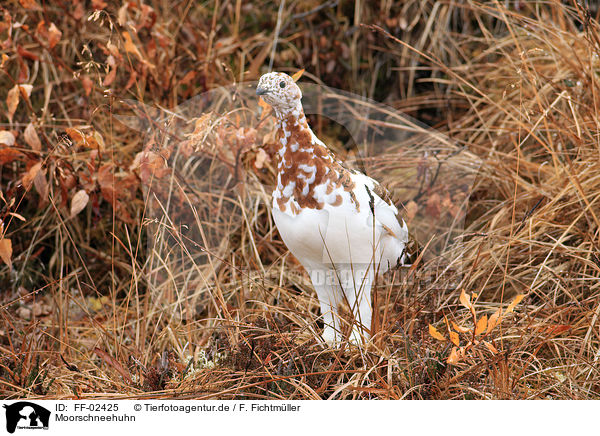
105	293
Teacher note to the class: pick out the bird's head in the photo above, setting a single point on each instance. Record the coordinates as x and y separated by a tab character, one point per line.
281	92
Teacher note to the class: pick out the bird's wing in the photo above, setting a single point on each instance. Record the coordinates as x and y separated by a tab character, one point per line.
385	212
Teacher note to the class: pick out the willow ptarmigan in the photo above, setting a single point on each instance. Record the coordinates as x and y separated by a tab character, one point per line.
339	223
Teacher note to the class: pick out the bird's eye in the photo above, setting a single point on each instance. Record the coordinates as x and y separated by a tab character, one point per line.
282	84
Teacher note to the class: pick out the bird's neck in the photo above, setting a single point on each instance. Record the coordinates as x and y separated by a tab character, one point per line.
303	163
297	142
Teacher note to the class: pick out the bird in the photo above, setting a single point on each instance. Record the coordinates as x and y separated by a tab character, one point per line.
339	223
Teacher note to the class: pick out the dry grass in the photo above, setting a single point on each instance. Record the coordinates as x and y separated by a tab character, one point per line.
122	300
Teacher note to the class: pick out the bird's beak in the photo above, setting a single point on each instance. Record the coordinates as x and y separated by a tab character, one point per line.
261	91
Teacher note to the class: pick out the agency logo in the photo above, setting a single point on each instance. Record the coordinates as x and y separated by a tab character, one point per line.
26	415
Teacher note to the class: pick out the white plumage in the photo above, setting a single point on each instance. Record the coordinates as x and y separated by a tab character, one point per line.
339	223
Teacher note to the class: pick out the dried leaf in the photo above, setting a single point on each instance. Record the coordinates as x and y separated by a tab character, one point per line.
454	357
41	184
79	11
122	14
7	138
107	183
494	319
99	4
490	347
465	300
29	4
296	76
514	303
8	155
454	338
433	206
79	202
481	325
13	97
459	328
95	141
54	35
31	138
266	109
411	210
261	158
18	216
130	46
434	333
6	251
31	174
76	136
12	101
87	84
110	77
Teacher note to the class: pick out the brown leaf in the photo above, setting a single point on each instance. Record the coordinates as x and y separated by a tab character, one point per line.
13	97
31	138
87	84
454	338
434	333
130	46
454	357
79	201
29	4
107	182
411	210
493	321
132	80
41	184
79	11
296	76
150	165
261	158
99	4
6	251
110	77
12	101
76	135
481	325
459	328
266	109
8	155
490	347
514	303
95	141
31	174
17	216
465	300
122	14
148	17
7	138
433	206
54	35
